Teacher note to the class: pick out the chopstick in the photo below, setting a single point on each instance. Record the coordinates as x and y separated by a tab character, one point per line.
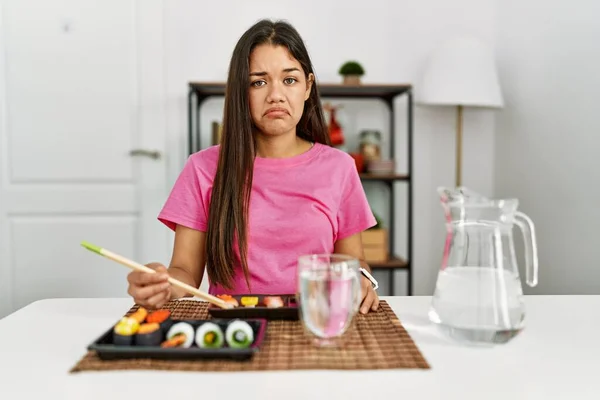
142	268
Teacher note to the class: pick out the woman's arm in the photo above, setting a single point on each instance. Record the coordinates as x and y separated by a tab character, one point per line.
188	260
352	246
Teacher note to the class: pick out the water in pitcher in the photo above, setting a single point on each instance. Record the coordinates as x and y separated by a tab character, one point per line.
478	297
478	305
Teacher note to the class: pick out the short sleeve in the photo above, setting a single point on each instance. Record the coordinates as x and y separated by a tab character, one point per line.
354	215
185	204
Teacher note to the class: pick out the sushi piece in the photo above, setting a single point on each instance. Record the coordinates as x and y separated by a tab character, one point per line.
180	334
209	335
249	301
124	331
158	316
239	334
273	301
163	318
139	315
149	334
228	299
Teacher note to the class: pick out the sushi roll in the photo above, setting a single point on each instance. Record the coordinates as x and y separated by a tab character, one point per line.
124	331
239	334
180	334
209	335
149	334
249	301
163	318
273	301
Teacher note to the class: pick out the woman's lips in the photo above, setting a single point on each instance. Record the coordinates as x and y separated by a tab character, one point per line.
276	112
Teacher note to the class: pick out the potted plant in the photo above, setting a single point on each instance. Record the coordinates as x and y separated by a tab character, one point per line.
351	71
375	242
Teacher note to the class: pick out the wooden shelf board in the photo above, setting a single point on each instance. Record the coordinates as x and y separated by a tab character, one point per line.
392	263
384	177
325	89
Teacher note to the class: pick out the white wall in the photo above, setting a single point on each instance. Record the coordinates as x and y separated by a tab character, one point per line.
548	137
392	40
79	88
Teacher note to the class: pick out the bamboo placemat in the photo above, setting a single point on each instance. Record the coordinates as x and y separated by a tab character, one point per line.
376	341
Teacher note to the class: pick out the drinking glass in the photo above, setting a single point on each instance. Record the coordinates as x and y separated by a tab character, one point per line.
328	296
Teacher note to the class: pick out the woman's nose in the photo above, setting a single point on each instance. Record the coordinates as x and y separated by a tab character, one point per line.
275	93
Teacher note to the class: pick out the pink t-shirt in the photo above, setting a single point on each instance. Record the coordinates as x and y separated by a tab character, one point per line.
298	205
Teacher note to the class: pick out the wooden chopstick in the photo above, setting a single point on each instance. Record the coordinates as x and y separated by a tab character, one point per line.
142	268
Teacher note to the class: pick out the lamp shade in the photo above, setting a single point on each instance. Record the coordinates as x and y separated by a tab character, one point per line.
461	71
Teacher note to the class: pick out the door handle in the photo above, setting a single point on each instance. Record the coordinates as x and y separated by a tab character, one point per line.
154	154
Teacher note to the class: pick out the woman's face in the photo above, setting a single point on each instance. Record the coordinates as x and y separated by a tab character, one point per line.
278	90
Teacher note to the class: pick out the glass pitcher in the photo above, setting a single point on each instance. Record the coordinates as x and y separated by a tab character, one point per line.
478	297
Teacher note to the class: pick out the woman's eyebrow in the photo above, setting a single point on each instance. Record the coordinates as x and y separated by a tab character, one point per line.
263	73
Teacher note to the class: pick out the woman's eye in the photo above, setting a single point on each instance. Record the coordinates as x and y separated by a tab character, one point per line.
289	81
257	83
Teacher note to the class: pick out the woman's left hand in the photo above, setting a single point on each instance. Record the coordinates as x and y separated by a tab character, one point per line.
352	246
370	300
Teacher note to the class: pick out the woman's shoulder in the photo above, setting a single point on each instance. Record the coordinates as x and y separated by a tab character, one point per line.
336	158
205	158
334	153
202	165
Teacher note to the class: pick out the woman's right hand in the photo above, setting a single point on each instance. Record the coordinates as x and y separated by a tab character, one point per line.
150	290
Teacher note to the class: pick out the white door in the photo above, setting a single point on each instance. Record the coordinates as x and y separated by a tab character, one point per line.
81	86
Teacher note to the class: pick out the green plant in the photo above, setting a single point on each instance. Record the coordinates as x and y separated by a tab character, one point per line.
379	224
351	68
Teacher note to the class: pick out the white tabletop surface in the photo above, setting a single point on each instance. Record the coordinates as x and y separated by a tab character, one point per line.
556	357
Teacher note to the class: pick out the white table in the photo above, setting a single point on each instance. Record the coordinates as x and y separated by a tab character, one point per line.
556	357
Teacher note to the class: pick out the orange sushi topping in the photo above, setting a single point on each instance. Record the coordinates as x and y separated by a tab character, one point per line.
158	316
228	299
139	315
148	328
175	341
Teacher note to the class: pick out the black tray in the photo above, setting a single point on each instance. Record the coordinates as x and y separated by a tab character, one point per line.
288	312
106	350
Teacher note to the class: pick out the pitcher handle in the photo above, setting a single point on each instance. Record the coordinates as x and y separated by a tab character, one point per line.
531	253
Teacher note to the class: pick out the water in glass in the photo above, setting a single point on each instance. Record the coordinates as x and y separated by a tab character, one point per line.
328	296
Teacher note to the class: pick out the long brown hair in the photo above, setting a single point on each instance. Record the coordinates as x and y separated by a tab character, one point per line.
230	199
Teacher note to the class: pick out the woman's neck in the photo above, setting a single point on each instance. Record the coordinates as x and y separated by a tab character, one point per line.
283	146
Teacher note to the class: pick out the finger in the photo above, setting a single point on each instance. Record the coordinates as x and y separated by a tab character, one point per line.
132	277
146	292
367	302
375	305
165	300
154	265
160	269
365	286
158	299
137	278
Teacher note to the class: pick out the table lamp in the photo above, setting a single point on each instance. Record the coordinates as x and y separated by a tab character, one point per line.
461	73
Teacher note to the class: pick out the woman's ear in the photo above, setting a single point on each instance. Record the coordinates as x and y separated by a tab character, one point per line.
309	82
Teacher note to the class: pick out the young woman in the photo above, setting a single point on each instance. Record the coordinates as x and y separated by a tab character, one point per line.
274	189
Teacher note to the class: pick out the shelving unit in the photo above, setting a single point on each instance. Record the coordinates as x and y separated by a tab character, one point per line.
201	91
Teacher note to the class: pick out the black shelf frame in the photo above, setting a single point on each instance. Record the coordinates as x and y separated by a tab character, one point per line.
198	92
